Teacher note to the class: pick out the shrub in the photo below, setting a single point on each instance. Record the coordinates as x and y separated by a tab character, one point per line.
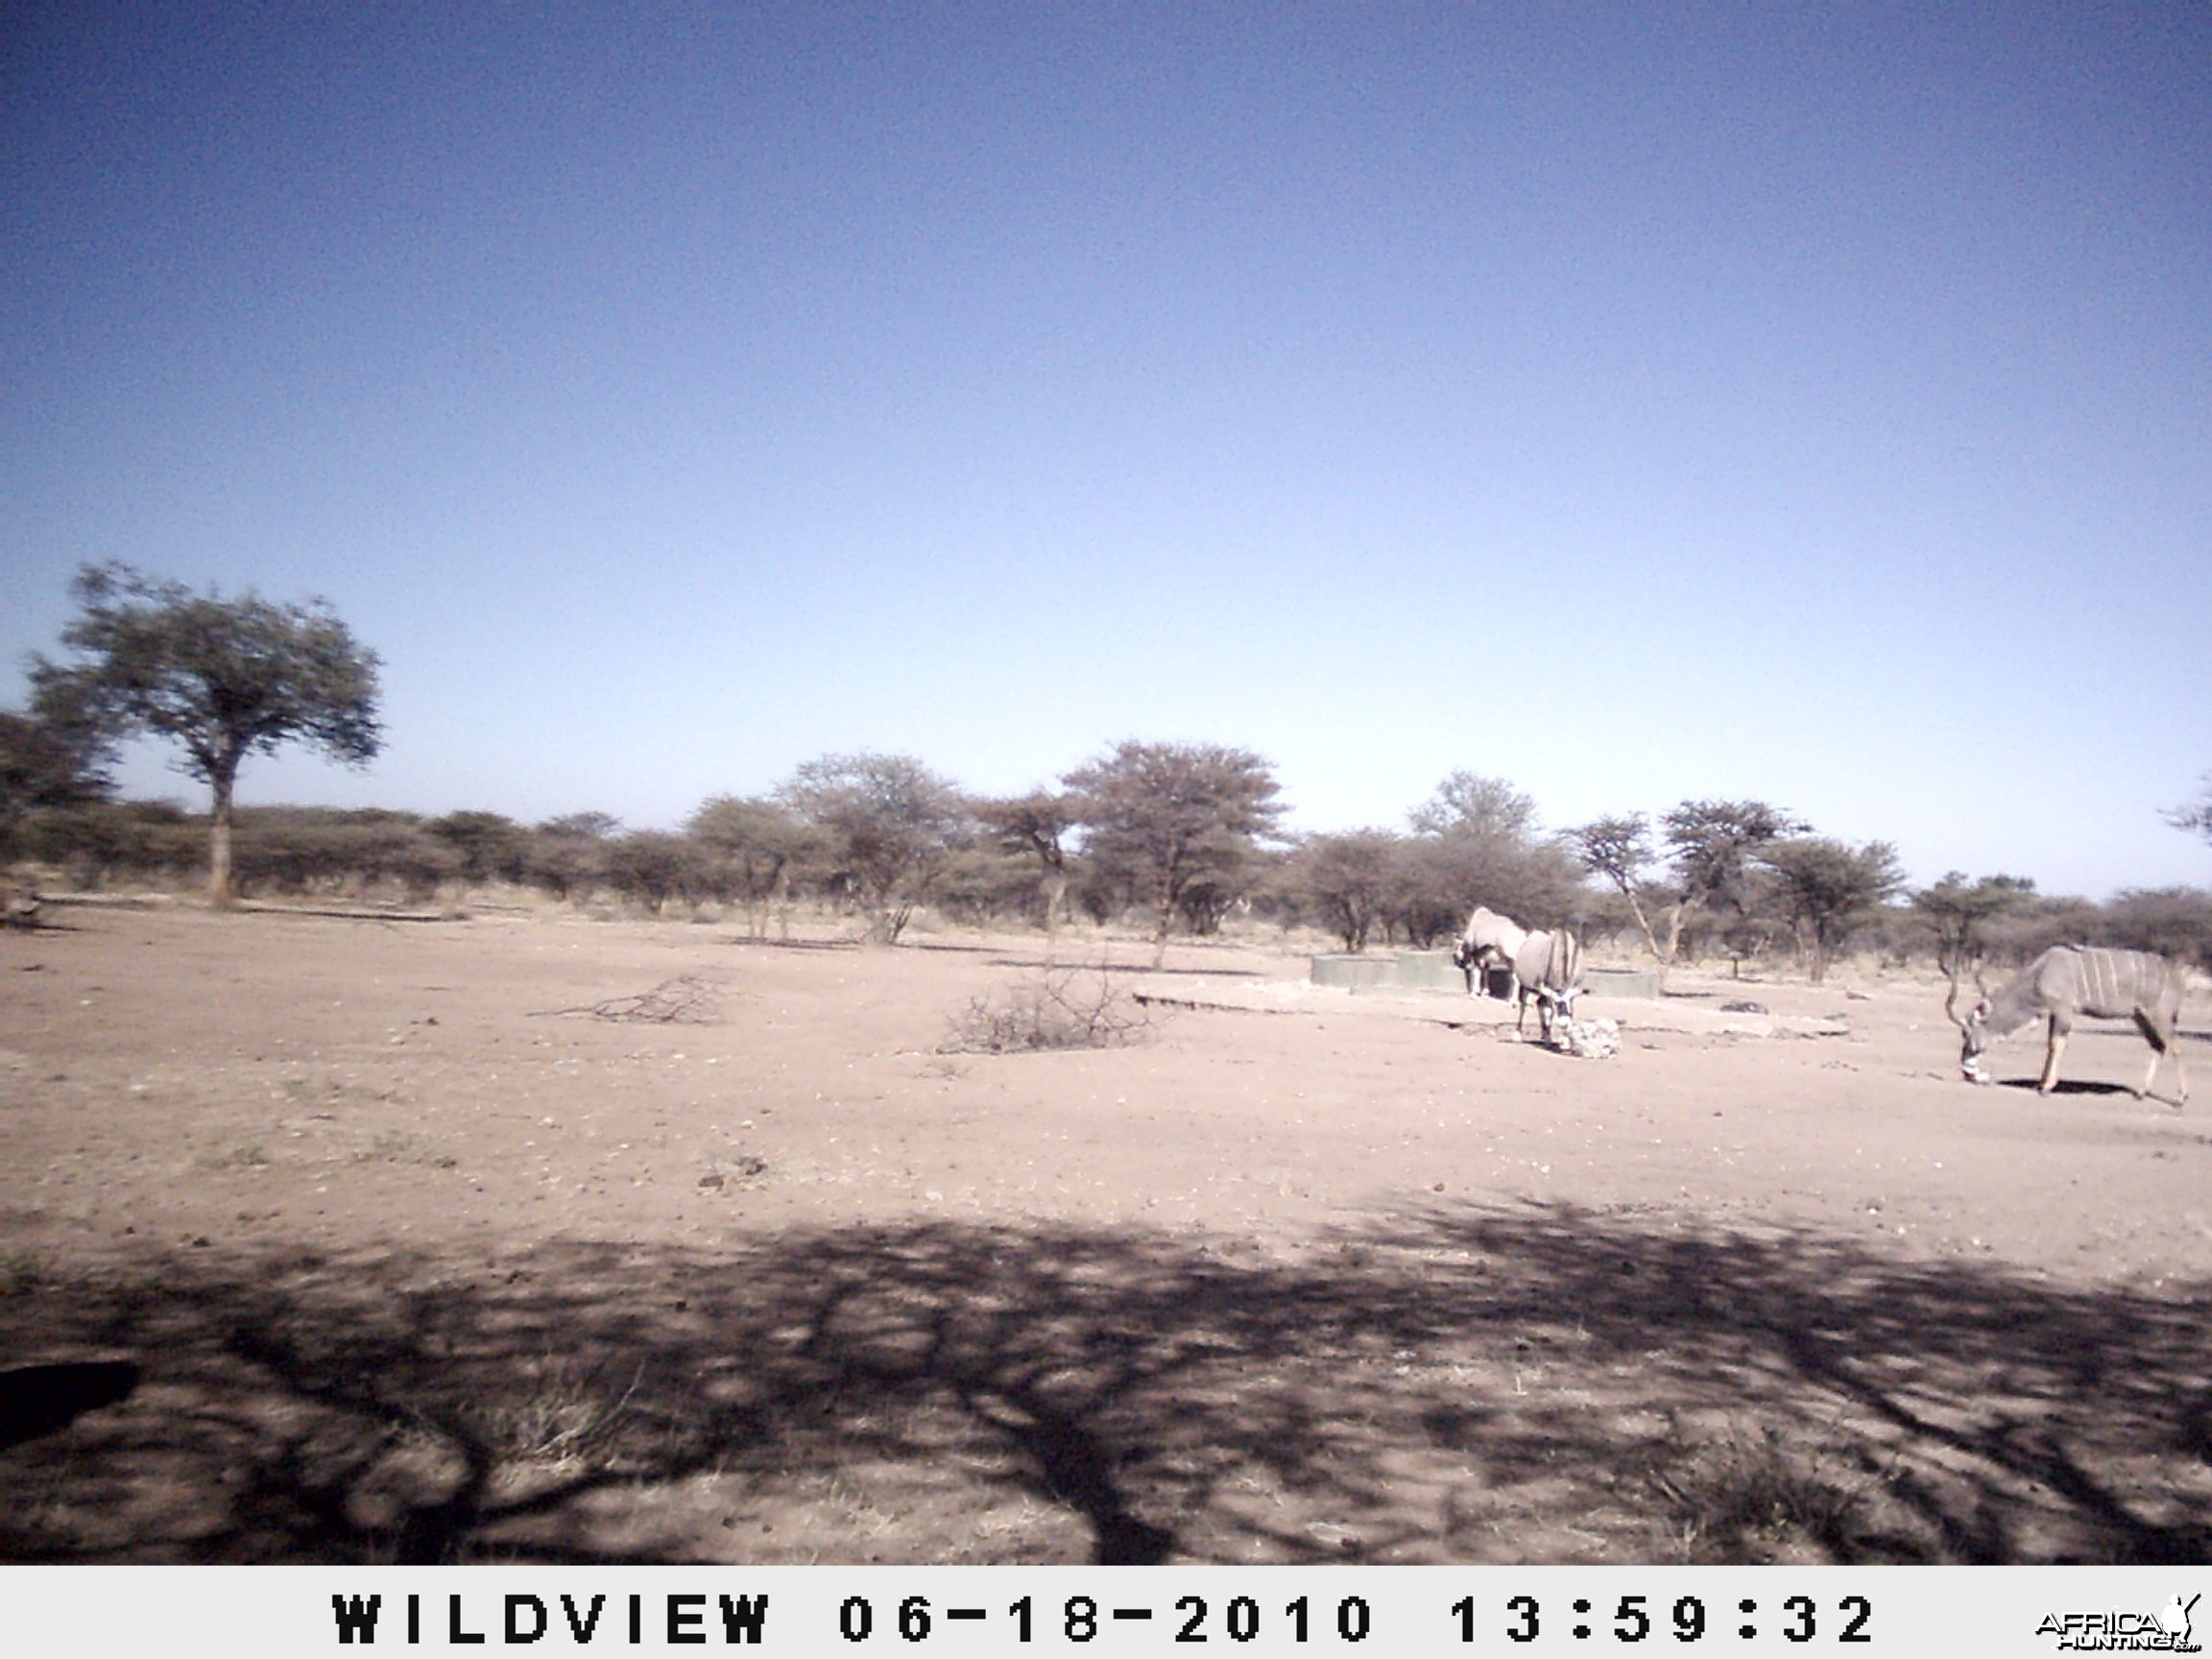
1054	1008
489	846
2175	921
303	850
651	867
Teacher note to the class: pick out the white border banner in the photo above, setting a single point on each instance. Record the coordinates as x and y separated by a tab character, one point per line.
242	1612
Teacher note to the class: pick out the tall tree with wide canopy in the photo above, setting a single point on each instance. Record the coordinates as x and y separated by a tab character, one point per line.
1168	816
1347	880
887	825
223	678
752	844
1471	803
1716	847
1038	824
1620	850
1477	841
1829	890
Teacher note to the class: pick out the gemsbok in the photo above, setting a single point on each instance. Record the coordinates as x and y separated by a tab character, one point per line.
1490	941
1548	967
2065	983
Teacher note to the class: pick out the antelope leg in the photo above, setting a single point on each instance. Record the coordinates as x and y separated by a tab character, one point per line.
2050	1078
2161	1046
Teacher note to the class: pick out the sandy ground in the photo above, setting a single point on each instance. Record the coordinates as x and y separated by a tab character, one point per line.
335	1240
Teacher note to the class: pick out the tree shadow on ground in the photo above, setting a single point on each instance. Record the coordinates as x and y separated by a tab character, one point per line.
40	1400
1533	1384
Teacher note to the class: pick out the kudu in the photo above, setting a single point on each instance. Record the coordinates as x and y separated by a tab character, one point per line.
2065	983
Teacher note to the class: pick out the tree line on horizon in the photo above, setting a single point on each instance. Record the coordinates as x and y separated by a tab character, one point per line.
1179	835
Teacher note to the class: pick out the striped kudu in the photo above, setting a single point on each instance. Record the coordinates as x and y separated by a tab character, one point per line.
2067	981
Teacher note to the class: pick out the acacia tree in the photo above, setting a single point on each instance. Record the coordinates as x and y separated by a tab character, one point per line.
1477	841
1470	803
1959	912
224	678
752	844
2197	816
1715	845
1830	890
652	866
491	845
565	854
1170	816
1347	879
1620	850
1038	824
887	824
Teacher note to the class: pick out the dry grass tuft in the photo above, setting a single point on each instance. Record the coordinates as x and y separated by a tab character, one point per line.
560	1412
24	1272
1748	1498
397	1146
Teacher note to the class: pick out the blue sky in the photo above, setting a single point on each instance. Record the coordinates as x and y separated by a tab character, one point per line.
1635	402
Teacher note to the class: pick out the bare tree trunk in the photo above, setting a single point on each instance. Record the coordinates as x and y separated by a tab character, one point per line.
760	895
1663	958
220	891
1675	915
1055	894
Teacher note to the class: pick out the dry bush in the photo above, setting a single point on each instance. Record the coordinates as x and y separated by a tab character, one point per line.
1052	1008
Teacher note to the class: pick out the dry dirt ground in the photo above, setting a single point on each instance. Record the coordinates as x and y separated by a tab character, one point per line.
545	1239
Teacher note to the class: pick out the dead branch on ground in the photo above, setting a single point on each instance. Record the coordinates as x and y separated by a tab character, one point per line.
684	1000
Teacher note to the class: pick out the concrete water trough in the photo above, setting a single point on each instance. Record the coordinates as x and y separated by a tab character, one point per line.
1392	971
1433	970
1389	971
1356	972
1429	971
1620	982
